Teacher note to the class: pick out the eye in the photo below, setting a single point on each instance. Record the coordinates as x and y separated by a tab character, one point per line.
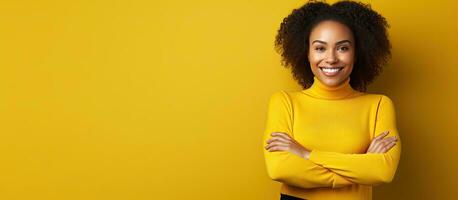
319	48
344	48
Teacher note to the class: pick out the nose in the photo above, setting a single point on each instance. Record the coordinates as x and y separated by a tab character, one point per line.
331	57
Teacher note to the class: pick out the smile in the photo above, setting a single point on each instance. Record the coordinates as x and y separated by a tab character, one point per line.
331	71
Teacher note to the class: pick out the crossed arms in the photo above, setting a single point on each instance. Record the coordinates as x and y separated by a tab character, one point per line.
324	168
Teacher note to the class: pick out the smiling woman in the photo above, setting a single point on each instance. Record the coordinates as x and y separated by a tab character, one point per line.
369	37
332	52
329	141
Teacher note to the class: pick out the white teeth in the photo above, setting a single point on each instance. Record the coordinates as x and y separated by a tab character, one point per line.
330	70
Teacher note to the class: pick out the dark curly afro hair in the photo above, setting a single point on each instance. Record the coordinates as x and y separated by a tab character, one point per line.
373	48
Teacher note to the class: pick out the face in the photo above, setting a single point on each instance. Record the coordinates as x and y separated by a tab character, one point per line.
331	52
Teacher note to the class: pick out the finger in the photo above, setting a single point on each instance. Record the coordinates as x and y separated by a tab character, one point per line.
278	148
379	145
280	134
389	139
370	149
374	148
371	146
277	138
374	143
381	135
276	144
388	147
381	148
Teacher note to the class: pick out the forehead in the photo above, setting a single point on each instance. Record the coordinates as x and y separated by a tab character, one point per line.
331	31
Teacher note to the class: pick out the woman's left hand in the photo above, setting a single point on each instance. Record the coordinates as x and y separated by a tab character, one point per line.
283	142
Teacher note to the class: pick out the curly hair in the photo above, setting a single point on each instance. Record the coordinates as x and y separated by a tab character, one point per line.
369	28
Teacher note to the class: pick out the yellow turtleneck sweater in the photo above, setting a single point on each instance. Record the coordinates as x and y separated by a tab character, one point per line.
337	124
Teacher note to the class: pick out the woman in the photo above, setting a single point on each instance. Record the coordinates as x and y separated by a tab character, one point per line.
332	140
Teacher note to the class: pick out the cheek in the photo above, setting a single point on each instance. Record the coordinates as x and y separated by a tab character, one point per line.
314	58
347	58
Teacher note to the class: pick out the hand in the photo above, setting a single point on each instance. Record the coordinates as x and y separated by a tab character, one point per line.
283	142
380	145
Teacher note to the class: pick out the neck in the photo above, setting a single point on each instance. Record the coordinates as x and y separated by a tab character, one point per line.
322	91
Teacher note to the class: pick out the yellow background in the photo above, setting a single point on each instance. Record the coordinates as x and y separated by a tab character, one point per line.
167	99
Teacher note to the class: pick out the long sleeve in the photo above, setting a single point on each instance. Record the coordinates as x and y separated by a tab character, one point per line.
372	168
286	167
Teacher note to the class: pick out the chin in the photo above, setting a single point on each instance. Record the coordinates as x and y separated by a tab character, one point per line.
332	81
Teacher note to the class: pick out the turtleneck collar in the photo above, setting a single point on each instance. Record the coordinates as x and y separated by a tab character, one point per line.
322	91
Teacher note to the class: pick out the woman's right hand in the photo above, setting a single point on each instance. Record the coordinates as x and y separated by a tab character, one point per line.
380	144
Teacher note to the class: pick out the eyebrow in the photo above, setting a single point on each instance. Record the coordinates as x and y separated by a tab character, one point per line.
339	42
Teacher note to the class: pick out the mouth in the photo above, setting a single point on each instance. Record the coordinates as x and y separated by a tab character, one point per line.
331	71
